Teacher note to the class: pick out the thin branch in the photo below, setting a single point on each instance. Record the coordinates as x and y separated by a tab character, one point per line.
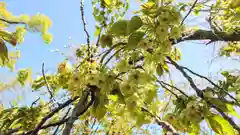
11	22
110	49
48	126
190	10
45	80
94	122
35	102
81	107
55	124
113	55
214	84
190	80
85	26
168	90
173	87
38	127
96	128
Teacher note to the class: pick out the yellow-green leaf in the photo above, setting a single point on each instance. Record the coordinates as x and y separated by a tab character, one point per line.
220	125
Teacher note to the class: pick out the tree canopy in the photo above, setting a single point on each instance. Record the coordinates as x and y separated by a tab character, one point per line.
120	82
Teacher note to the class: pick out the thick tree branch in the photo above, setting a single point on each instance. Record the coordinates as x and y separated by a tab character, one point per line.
38	127
64	117
80	108
209	35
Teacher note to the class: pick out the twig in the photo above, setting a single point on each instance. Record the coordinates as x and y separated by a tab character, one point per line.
190	10
11	22
81	107
96	128
38	127
174	88
47	126
169	90
45	80
110	49
34	102
94	122
113	55
85	26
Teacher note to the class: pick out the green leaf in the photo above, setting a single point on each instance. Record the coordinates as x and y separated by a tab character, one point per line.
23	76
219	103
113	97
8	37
134	24
232	111
119	28
108	2
220	125
134	39
97	31
195	129
106	40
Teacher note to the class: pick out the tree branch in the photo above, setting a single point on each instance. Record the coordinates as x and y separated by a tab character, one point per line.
48	125
85	26
11	22
64	117
190	80
209	35
45	80
162	82
38	127
190	10
200	94
164	124
214	84
81	107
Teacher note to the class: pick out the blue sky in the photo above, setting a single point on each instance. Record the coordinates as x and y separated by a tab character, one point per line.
65	15
66	19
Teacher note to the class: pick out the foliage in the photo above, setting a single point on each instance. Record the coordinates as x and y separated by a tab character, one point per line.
122	73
